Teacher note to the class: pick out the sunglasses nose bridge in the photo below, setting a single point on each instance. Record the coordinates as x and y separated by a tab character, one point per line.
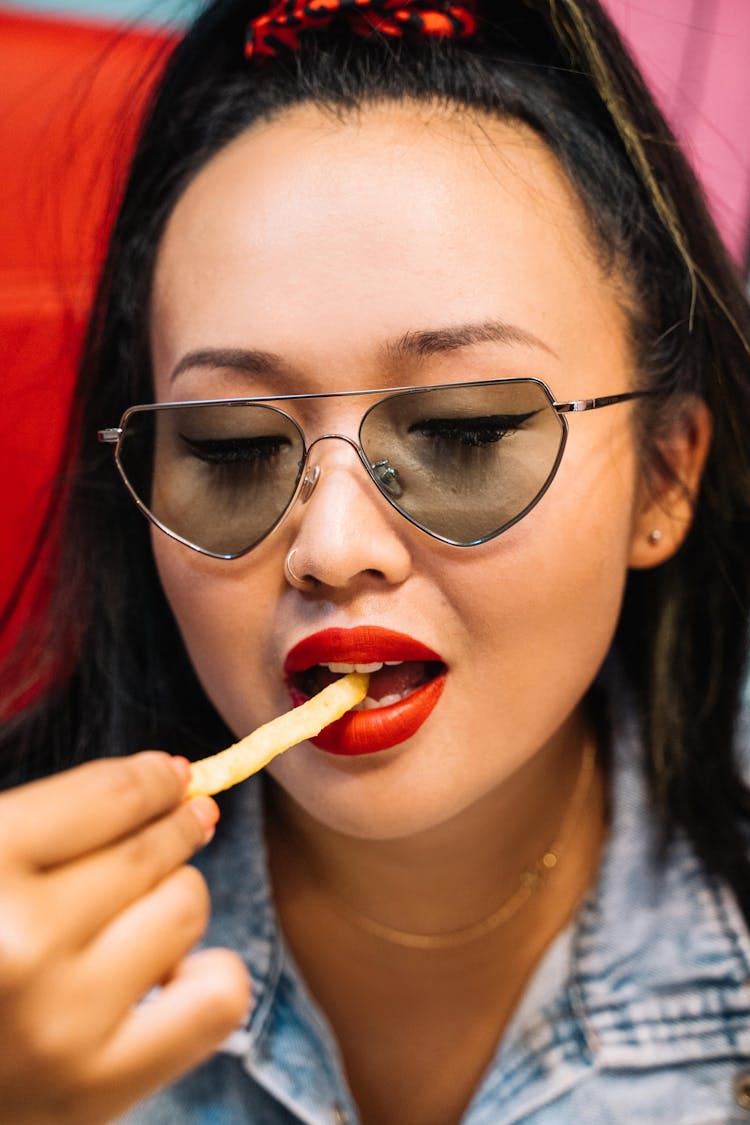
310	479
312	468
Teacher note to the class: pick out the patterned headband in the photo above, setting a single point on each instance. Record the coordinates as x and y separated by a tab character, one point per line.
279	28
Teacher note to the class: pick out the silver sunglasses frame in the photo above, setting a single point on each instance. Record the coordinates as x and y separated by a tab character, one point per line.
112	436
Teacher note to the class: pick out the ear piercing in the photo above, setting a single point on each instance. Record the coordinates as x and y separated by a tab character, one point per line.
654	537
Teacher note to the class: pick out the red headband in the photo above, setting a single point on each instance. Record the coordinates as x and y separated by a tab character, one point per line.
279	28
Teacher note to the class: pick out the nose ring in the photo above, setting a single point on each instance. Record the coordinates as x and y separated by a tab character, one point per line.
292	578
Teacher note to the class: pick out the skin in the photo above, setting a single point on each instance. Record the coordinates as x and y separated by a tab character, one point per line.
97	909
488	228
300	239
496	233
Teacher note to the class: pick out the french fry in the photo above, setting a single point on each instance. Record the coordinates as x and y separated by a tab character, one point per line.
244	758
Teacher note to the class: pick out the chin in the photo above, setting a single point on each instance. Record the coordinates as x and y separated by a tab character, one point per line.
376	797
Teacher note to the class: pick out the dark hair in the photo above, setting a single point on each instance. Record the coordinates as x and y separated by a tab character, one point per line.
559	67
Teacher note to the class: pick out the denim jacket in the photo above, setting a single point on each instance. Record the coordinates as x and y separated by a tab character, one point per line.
638	1013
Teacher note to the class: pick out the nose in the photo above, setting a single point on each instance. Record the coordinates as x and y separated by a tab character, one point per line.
346	532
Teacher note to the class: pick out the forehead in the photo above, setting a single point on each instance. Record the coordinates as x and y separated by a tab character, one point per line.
314	231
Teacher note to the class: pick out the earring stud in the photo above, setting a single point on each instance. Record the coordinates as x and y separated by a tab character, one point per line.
654	536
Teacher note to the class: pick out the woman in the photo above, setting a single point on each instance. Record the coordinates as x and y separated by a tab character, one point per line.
410	247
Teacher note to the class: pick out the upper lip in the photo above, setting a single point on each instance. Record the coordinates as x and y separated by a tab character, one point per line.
363	644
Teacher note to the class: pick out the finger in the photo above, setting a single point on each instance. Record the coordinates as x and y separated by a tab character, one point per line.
57	819
206	999
85	895
141	947
68	1007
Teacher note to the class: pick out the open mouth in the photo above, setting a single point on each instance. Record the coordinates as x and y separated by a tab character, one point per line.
407	679
391	681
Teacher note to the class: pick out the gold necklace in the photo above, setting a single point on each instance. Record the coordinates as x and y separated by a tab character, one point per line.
529	882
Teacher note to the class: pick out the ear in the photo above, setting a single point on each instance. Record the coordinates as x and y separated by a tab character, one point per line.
667	492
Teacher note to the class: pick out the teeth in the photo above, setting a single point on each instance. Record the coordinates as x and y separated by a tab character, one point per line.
346	668
368	704
388	699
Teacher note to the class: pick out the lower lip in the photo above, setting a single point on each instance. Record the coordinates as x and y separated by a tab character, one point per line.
378	728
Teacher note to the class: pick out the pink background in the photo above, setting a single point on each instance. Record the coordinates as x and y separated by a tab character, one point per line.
695	55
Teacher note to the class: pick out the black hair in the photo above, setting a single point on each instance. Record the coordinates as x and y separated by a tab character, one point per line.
123	680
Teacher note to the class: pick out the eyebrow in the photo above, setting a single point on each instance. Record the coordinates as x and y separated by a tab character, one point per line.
417	344
430	342
250	360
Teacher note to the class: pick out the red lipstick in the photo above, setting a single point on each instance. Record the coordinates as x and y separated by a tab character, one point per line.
377	728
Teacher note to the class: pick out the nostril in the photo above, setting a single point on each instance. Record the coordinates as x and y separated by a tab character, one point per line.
308	484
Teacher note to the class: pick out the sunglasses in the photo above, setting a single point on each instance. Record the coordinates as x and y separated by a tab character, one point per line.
462	462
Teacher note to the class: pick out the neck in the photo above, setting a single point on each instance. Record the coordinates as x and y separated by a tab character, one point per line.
457	876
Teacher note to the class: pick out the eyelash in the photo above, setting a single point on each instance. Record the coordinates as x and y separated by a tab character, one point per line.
470	432
235	451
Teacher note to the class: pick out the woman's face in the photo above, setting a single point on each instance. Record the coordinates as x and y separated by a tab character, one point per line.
352	251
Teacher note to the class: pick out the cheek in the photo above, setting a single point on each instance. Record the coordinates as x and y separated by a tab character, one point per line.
225	612
558	581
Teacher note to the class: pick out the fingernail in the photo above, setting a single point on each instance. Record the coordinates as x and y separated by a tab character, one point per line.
181	767
206	812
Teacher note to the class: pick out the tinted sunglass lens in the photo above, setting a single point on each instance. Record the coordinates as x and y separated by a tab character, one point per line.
464	462
218	476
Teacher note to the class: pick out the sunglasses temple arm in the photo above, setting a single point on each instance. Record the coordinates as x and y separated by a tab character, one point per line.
581	404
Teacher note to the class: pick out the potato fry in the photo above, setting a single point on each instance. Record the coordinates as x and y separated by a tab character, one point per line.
244	758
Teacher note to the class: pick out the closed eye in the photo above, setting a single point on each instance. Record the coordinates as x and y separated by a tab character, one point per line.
236	450
476	431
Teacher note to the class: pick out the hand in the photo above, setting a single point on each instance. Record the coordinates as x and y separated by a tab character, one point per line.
96	908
